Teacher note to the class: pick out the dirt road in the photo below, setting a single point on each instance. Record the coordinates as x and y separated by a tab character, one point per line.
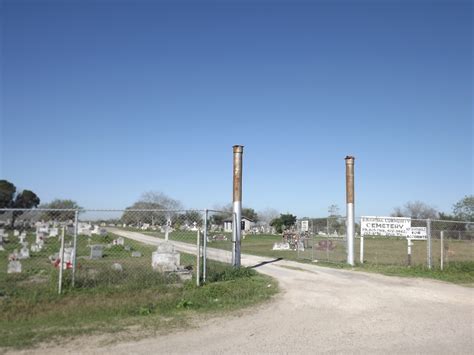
323	310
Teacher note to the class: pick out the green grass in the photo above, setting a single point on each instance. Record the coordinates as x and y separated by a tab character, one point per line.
387	256
457	272
27	318
388	251
104	300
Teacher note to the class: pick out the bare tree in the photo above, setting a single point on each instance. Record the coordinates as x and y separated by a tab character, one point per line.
268	215
333	210
152	200
417	210
160	199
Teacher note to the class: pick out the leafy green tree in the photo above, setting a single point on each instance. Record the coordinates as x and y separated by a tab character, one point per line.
464	209
218	219
283	222
10	198
26	199
250	214
7	194
60	205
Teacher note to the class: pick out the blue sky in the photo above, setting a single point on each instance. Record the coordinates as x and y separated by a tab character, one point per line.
103	100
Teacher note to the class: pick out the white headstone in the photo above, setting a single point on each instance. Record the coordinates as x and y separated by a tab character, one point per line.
14	266
281	246
165	258
16	233
119	241
117	267
53	232
24	253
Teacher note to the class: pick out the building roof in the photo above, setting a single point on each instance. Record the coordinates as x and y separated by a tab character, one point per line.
230	219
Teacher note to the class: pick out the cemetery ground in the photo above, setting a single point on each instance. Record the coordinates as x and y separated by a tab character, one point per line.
387	256
135	300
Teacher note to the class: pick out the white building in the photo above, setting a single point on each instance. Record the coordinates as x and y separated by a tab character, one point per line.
247	224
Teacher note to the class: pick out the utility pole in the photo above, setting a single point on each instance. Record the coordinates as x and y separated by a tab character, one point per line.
237	204
350	223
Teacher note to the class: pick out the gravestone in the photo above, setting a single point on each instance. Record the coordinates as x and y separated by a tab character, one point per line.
117	267
24	253
301	245
53	232
16	233
165	258
14	267
22	239
35	248
136	254
119	241
97	251
127	248
1	243
281	246
40	236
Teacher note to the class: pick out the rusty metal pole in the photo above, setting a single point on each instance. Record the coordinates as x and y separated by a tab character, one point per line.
350	223
237	203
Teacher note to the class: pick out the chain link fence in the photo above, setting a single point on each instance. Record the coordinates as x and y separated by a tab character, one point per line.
431	243
72	249
323	239
57	250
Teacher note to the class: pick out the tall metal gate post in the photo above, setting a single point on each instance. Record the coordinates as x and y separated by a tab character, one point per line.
74	248
204	248
237	201
350	209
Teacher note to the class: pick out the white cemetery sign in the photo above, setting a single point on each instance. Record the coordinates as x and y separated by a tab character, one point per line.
385	226
418	233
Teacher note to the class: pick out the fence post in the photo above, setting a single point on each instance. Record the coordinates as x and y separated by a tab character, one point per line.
204	250
198	257
409	245
442	251
361	249
428	234
74	248
61	263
